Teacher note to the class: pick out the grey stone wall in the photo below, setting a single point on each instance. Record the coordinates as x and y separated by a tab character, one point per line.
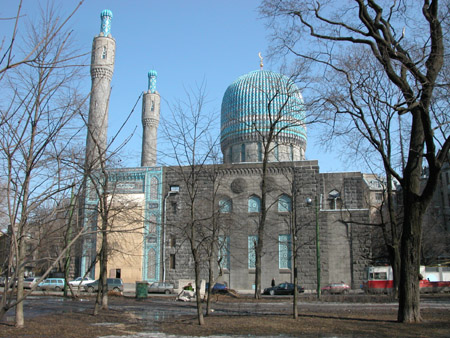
341	251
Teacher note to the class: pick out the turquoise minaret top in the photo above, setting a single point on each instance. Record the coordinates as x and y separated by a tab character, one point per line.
152	75
106	17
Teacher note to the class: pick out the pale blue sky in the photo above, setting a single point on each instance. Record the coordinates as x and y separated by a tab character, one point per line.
186	42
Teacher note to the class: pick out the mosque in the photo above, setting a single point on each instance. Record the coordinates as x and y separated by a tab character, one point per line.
315	211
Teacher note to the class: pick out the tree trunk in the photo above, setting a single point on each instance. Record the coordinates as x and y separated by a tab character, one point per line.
210	280
101	301
201	320
261	226
258	254
295	301
20	320
409	292
395	263
104	293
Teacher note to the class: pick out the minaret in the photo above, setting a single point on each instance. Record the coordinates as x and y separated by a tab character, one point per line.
150	119
102	68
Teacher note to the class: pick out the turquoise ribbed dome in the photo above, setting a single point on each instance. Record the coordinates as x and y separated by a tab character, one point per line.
250	101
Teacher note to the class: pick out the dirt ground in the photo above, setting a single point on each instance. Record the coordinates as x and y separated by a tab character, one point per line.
312	322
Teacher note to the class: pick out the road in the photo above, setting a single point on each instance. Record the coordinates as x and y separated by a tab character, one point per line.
162	308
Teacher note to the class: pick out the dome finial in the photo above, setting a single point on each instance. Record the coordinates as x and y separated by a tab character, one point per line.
261	65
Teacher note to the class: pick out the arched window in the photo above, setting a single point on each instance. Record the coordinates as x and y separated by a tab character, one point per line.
225	205
334	199
284	251
252	240
243	152
224	252
254	204
284	203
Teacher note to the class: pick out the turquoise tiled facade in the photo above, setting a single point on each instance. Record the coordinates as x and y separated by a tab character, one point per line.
147	181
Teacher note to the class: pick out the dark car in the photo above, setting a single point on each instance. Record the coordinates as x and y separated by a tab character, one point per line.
114	284
282	289
161	287
336	288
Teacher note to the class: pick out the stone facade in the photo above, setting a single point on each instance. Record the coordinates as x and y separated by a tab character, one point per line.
342	244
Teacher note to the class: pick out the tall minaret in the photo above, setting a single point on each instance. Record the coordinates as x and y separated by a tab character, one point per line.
102	68
150	119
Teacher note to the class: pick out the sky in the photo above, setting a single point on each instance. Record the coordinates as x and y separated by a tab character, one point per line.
188	43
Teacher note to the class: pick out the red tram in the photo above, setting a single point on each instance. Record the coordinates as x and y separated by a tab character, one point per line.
379	279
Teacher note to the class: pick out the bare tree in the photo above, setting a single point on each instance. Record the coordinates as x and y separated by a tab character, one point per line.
411	54
283	111
107	211
217	228
189	135
9	59
42	112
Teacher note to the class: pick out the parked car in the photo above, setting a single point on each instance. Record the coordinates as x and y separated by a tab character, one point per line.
336	288
11	284
114	284
55	284
29	282
282	289
161	287
80	282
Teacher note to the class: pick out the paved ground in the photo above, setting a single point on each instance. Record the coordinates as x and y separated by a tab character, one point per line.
337	316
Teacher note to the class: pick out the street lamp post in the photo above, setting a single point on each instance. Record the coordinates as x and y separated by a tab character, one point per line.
316	205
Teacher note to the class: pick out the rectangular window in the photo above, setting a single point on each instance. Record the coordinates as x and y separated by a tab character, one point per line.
243	152
224	252
172	261
252	240
104	52
284	251
173	241
174	207
259	152
379	197
378	276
